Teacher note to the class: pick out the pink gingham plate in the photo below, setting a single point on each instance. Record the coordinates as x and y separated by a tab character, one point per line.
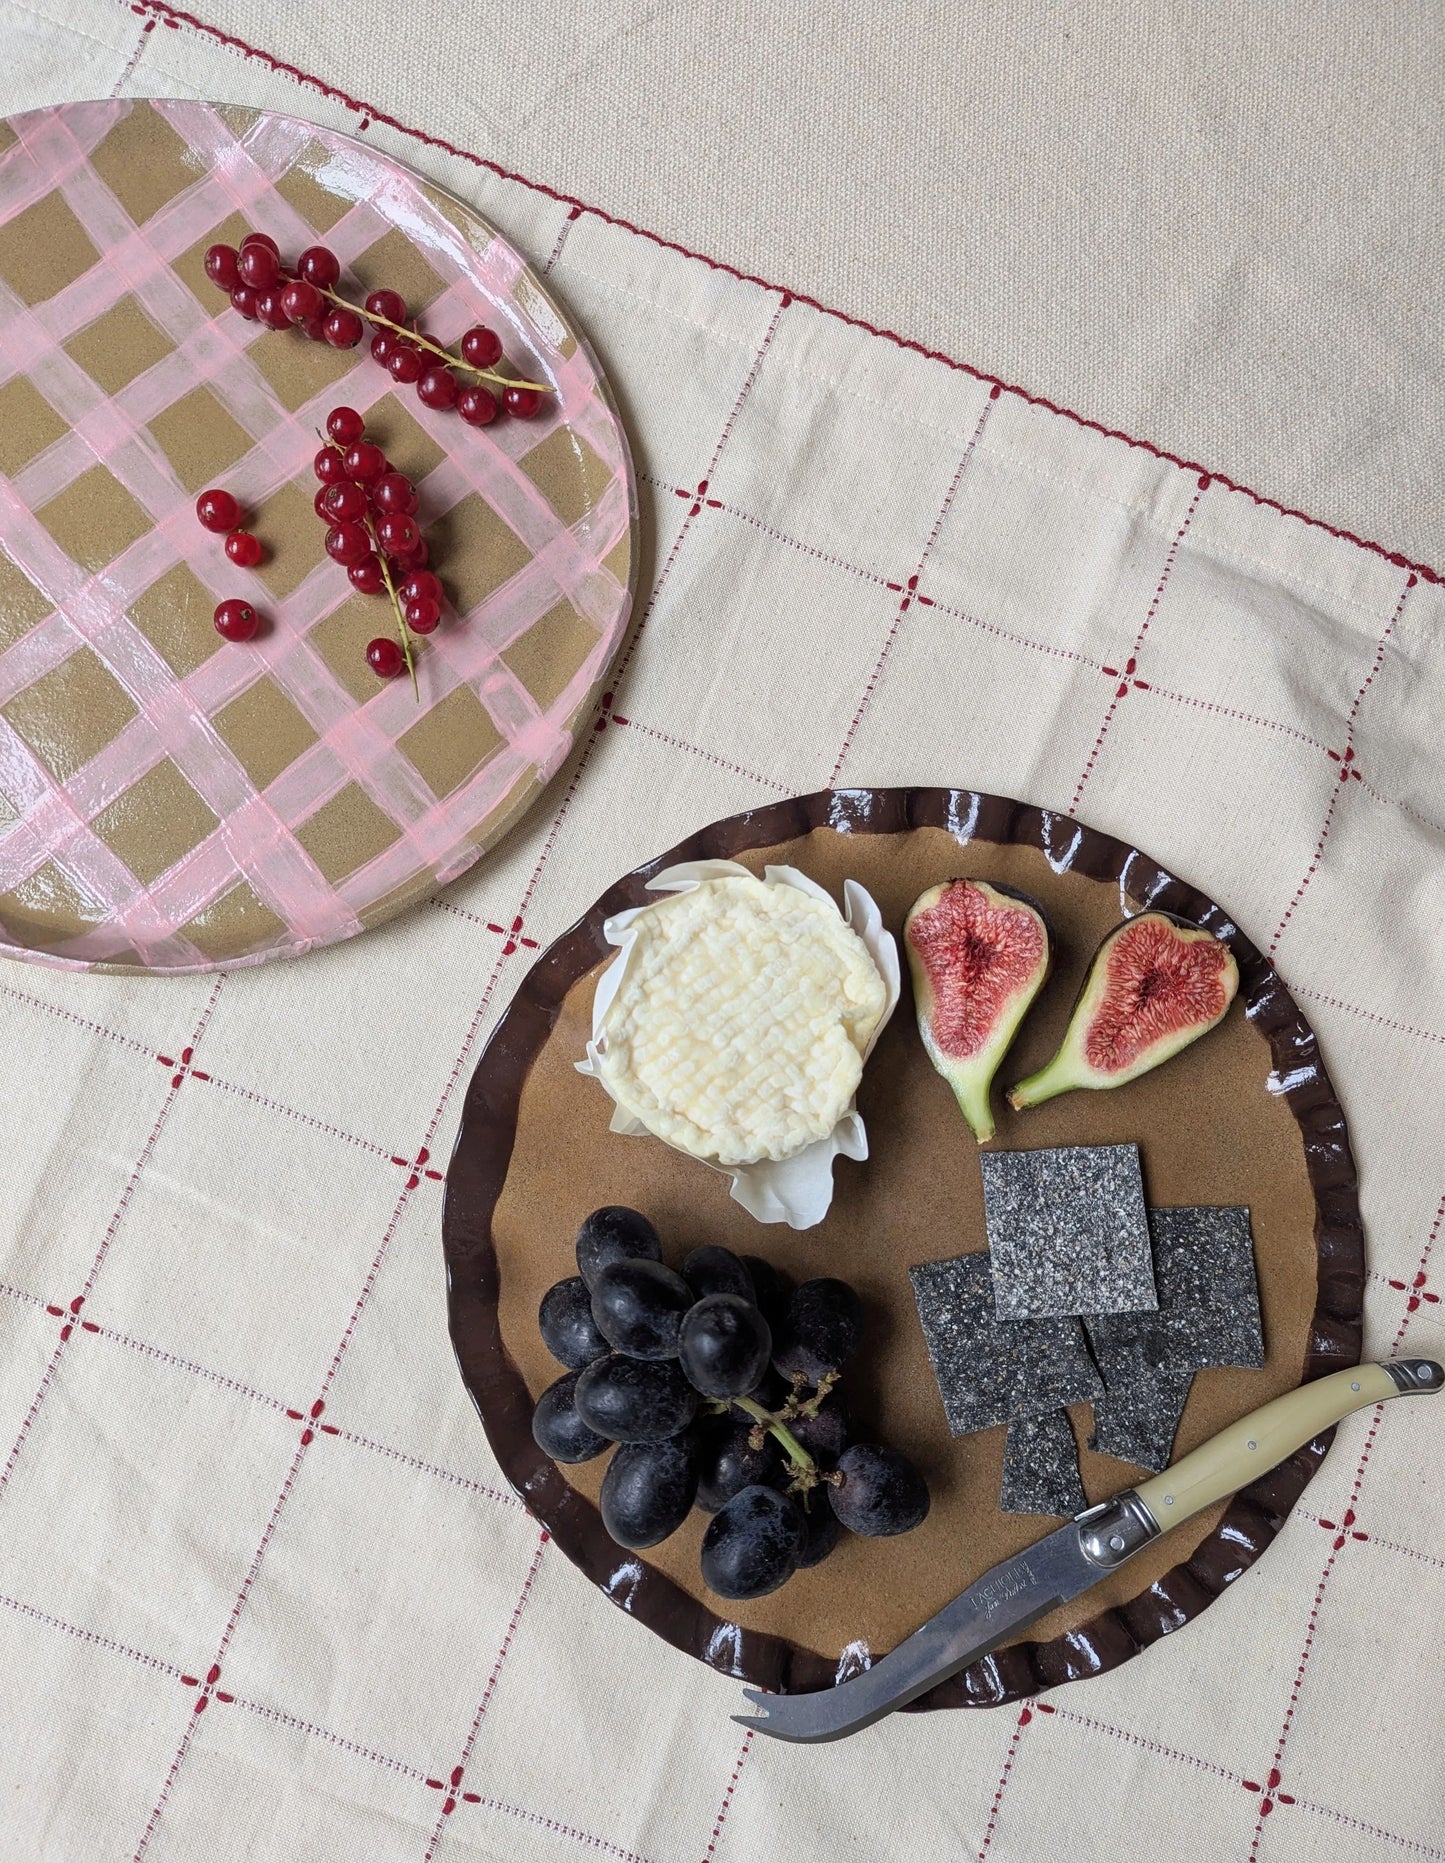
175	802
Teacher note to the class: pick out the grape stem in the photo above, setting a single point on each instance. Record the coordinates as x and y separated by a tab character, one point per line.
796	1453
435	349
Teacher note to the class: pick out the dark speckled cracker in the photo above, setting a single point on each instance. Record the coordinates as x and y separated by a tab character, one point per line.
1208	1300
1067	1231
1041	1467
990	1370
1136	1419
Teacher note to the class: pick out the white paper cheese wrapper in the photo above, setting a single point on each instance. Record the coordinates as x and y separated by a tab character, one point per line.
797	1190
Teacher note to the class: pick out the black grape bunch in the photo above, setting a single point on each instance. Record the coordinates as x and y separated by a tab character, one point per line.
719	1387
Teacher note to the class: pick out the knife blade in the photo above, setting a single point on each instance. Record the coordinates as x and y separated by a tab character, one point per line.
1021	1589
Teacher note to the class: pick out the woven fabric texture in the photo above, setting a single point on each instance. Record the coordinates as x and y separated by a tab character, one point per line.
262	1591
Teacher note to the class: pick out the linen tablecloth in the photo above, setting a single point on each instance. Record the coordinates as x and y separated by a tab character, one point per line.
263	1594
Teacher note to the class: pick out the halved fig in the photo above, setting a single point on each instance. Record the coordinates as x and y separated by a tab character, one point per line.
979	955
1155	985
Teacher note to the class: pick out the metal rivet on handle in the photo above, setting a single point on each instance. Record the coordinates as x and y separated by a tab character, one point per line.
1116	1540
1251	1445
1168	1500
1356	1385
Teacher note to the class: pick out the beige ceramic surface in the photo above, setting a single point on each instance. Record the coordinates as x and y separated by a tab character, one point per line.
172	801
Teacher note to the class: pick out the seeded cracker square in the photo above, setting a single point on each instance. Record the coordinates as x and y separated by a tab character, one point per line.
1136	1419
1041	1467
990	1370
1067	1231
1208	1300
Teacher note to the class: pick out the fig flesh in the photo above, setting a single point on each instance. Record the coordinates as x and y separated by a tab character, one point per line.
1156	984
979	955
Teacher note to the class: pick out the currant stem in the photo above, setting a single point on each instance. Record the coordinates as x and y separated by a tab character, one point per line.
435	349
401	628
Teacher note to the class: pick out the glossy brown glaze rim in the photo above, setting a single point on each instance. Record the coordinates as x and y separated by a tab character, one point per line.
483	1152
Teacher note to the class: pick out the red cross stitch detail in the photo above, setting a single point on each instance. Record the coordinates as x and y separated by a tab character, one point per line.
1026	1715
182	1067
207	1687
417	1167
1126	679
68	1314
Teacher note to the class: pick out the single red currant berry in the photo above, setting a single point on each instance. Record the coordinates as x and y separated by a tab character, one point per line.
345	426
300	301
437	388
366	574
481	347
318	504
390	306
476	407
315	328
329	466
416	558
522	402
382	346
394	491
272	311
398	533
245	300
235	620
218	510
258	266
422	617
421	586
262	239
243	549
319	266
221	266
347	543
365	462
405	362
385	658
343	329
345	503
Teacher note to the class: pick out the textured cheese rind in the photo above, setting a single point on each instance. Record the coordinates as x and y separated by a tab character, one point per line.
739	1027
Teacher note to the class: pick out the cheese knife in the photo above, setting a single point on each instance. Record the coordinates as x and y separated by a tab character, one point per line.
1022	1589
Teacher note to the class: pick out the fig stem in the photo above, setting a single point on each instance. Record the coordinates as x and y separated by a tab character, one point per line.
777	1428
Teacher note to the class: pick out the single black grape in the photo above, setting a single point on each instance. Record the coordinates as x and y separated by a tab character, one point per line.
724	1345
648	1490
881	1491
728	1464
822	1330
820	1530
770	1289
559	1430
631	1400
753	1544
824	1436
715	1270
615	1234
569	1331
638	1307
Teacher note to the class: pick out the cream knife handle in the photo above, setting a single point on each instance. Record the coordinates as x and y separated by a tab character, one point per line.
1265	1437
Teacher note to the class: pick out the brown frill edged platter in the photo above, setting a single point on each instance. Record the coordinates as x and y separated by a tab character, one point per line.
1246	1116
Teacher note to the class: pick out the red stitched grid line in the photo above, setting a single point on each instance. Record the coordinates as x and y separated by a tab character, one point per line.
696	750
1341	1540
558	1829
69	1015
111	1228
1394	1546
1345	760
130	64
911	587
1152	1746
307	1435
1368	1015
89	1636
562	234
458	1772
369	113
1370	1830
732	1785
1200	489
1026	1715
